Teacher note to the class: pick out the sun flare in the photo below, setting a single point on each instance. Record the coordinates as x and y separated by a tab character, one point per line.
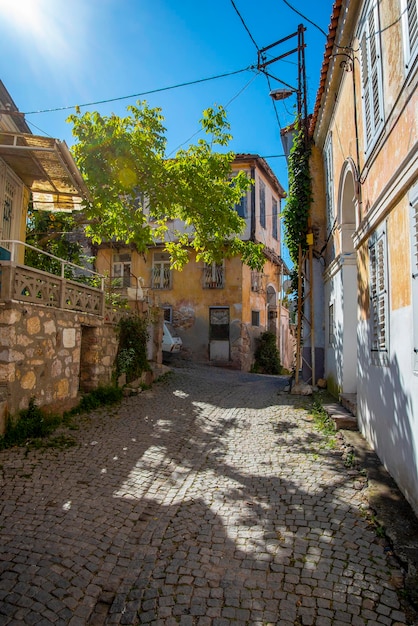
23	14
48	33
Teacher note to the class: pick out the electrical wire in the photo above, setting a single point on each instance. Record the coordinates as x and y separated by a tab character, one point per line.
304	17
144	93
244	24
225	107
37	128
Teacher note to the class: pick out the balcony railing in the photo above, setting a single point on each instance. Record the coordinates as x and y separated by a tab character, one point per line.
28	284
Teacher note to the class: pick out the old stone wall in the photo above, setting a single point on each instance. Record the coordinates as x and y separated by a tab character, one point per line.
50	355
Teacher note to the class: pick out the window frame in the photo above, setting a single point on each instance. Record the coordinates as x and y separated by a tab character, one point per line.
255	321
262	200
161	260
242	207
410	51
329	182
331	324
121	269
413	205
372	93
275	218
213	275
167	313
379	297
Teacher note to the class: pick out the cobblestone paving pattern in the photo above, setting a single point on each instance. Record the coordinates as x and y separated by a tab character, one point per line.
209	499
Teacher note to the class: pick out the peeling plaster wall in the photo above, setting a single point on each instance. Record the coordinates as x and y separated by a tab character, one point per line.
190	304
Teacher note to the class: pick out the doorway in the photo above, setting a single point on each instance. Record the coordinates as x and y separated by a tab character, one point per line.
219	346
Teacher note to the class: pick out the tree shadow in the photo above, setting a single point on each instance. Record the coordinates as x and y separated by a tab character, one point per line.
386	416
171	507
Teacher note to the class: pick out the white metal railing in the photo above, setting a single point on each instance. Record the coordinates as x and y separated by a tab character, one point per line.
79	273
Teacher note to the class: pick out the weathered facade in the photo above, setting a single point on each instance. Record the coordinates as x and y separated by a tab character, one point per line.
365	211
219	310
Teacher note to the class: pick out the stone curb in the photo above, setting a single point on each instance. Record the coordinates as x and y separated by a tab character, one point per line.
392	511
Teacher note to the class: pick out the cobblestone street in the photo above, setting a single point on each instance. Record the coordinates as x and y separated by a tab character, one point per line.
210	500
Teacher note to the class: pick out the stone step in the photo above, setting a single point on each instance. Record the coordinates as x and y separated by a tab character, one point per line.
343	419
349	402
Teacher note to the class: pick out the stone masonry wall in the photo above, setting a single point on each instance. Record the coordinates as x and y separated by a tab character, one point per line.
49	354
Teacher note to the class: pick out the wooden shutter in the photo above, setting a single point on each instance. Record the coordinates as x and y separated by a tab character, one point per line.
379	294
414	267
371	75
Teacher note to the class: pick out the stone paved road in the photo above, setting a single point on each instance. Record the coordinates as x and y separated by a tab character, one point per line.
208	500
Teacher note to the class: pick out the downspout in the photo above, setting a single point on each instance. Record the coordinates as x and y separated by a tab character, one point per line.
252	224
358	190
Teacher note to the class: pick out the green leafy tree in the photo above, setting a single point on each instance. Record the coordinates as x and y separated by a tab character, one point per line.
136	191
51	232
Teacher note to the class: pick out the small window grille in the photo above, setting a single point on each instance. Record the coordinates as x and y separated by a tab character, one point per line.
213	276
161	272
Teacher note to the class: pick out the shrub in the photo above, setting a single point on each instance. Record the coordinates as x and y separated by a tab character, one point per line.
31	423
131	358
267	358
96	398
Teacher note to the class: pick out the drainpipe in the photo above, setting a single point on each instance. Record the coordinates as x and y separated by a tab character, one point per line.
252	223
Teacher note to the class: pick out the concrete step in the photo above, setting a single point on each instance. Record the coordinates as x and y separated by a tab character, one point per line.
343	419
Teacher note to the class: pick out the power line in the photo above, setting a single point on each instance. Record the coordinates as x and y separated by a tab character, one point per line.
226	108
244	24
304	17
144	93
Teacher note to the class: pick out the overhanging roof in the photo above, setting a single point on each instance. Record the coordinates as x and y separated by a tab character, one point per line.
47	168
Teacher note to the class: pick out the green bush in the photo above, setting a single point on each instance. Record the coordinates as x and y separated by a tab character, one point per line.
31	423
267	358
131	358
96	398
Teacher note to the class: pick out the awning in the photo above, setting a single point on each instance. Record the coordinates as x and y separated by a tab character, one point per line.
47	168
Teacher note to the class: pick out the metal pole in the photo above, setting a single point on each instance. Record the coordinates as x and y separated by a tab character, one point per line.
299	326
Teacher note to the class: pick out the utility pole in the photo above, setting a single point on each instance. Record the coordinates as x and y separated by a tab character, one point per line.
305	259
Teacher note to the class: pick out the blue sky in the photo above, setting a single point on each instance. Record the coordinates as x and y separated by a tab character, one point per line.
62	53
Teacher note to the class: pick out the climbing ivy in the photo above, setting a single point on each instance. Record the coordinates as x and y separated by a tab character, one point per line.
296	211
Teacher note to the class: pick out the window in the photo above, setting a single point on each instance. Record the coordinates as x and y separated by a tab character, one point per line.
241	208
10	199
168	313
410	30
379	301
329	182
213	276
331	325
275	218
161	273
219	324
255	318
413	197
371	74
262	195
121	276
257	281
